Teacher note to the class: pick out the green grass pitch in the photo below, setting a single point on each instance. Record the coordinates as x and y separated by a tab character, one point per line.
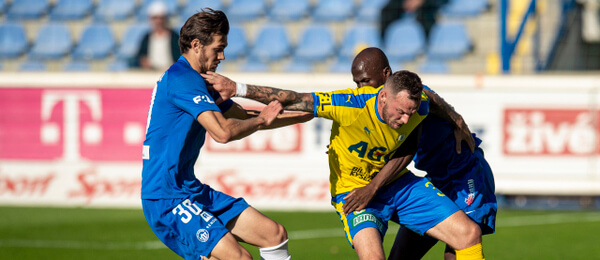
87	233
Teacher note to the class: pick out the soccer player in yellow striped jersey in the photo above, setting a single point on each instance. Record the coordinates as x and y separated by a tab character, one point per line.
370	127
361	139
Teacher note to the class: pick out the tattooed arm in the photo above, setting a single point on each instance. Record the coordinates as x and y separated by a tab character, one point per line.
290	100
438	106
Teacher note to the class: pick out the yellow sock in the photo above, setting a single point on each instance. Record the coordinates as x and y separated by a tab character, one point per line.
474	252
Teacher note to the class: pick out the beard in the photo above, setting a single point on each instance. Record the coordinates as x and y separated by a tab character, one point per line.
386	118
384	114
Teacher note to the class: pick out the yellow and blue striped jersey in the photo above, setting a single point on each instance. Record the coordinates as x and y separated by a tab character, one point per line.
361	142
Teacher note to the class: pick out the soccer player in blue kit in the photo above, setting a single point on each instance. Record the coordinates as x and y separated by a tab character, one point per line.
188	216
464	176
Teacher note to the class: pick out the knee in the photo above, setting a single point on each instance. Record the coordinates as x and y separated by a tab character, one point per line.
237	252
470	234
280	234
243	254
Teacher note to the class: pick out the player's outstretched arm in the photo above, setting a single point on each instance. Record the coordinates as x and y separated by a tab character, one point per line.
224	130
290	100
286	118
358	198
283	119
441	108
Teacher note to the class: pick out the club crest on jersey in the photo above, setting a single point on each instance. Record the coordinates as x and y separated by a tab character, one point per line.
401	137
203	98
202	235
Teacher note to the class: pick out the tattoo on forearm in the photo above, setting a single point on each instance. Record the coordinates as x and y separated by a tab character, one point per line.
290	100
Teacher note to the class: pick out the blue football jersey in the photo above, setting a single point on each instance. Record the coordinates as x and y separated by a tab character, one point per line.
436	146
173	135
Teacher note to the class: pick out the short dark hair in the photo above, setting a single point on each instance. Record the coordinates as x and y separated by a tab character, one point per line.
405	80
203	26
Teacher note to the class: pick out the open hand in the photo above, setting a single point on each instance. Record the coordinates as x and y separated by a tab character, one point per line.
225	86
270	112
357	199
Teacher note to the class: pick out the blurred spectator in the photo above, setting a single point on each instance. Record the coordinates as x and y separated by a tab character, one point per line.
159	48
424	10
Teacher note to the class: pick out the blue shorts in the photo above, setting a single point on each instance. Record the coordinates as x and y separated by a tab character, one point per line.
469	182
410	201
192	226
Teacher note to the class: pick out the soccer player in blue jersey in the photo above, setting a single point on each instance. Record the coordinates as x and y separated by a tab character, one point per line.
371	127
188	216
464	176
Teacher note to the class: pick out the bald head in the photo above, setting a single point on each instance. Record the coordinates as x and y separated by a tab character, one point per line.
370	68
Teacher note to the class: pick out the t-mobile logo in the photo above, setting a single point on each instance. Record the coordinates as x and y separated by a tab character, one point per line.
71	100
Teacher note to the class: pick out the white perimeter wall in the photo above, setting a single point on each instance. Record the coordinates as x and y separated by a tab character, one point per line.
76	141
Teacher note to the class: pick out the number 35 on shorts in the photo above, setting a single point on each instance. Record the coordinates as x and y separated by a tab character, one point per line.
184	208
429	184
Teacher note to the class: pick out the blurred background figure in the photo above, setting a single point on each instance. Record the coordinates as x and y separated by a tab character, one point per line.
425	12
159	47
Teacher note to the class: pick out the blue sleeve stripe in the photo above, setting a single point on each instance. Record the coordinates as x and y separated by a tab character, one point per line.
316	103
350	100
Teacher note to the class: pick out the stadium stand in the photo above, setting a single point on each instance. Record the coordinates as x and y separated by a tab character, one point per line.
71	9
341	65
53	42
397	47
97	42
77	65
433	66
448	40
370	10
2	6
333	10
254	65
464	8
142	13
27	9
117	66
297	66
357	37
32	65
237	43
194	6
114	10
316	43
130	41
271	44
246	10
13	40
289	10
351	26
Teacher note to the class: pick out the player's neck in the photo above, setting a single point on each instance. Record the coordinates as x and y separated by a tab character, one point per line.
193	61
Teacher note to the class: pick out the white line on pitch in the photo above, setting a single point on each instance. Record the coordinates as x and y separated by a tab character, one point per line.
532	220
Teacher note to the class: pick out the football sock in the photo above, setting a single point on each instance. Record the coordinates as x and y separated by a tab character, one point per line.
278	252
474	252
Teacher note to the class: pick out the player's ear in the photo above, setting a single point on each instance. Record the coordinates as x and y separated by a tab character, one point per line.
196	45
387	71
383	95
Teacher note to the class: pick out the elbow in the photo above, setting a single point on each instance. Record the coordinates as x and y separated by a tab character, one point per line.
222	138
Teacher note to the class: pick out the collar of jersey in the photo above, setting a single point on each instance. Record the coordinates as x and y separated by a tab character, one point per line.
377	110
181	58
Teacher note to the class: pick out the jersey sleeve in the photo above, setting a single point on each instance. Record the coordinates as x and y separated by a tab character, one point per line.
225	105
337	105
189	92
